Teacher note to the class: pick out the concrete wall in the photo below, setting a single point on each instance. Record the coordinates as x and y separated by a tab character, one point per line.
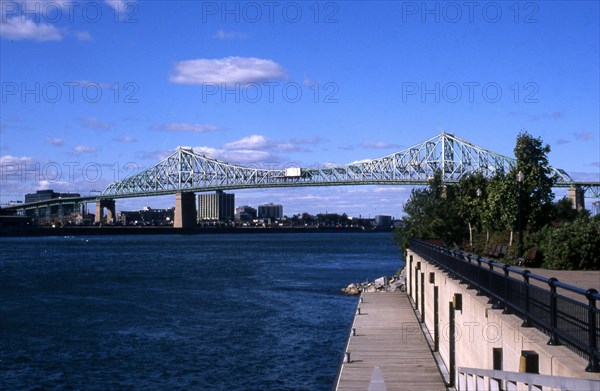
480	329
185	210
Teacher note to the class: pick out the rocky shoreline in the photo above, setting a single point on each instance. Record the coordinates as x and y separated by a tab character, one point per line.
395	283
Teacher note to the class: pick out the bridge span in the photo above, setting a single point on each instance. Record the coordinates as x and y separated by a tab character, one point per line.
185	172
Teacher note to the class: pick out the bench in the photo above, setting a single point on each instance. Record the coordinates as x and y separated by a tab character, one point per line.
531	258
499	251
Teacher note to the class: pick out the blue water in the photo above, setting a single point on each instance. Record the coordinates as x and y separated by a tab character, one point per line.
202	312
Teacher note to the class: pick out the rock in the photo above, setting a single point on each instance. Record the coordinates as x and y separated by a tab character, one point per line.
380	282
396	286
351	289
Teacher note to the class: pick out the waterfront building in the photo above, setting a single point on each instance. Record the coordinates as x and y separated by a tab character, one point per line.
44	195
147	216
382	221
219	206
245	213
271	211
61	212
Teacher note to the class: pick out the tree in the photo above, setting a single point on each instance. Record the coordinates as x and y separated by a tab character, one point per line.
500	210
431	212
536	196
472	192
307	218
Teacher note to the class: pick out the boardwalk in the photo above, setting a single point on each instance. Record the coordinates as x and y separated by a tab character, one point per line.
388	351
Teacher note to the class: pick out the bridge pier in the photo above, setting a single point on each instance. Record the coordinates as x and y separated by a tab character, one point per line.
110	206
185	210
576	195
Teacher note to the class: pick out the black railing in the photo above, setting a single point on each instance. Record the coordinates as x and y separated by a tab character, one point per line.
567	321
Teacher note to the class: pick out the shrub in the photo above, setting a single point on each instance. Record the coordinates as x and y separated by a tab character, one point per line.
575	245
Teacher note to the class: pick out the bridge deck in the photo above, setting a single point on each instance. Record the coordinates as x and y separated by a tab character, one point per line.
380	358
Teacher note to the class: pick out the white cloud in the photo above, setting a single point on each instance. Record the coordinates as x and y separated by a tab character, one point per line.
307	141
95	123
228	70
237	156
7	160
126	139
362	161
308	82
251	149
185	127
223	34
257	141
249	142
84	149
391	189
19	28
56	141
154	156
83	36
211	152
378	145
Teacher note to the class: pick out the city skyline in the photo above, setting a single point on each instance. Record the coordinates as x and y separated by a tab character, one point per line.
92	92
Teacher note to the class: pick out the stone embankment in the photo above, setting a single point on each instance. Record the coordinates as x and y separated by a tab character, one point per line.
395	283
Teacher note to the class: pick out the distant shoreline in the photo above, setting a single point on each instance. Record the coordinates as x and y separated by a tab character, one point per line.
117	230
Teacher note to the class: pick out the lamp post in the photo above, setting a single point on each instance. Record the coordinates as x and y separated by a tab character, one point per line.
520	179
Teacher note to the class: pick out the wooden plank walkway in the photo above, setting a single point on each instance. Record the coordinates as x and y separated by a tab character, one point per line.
381	357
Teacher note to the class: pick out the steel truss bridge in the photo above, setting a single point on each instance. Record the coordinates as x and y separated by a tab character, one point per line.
188	171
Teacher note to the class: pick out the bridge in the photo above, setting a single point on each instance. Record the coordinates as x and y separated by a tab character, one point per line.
186	172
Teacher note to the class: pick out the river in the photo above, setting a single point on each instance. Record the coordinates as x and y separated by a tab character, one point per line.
205	312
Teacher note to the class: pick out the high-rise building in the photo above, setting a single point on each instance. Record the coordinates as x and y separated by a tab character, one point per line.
245	213
272	211
219	206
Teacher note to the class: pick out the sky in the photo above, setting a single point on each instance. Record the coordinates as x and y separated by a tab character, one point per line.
93	91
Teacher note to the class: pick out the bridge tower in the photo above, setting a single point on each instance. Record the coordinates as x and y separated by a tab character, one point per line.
110	206
576	195
185	210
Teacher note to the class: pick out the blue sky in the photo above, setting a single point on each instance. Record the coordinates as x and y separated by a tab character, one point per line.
91	89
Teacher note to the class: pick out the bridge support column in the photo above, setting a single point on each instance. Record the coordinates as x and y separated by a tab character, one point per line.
110	206
576	195
185	210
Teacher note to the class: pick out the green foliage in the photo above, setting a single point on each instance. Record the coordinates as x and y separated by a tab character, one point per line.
536	189
431	212
472	192
573	246
484	212
563	211
401	237
501	205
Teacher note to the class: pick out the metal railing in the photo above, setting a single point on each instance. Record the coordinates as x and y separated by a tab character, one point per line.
487	379
576	324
